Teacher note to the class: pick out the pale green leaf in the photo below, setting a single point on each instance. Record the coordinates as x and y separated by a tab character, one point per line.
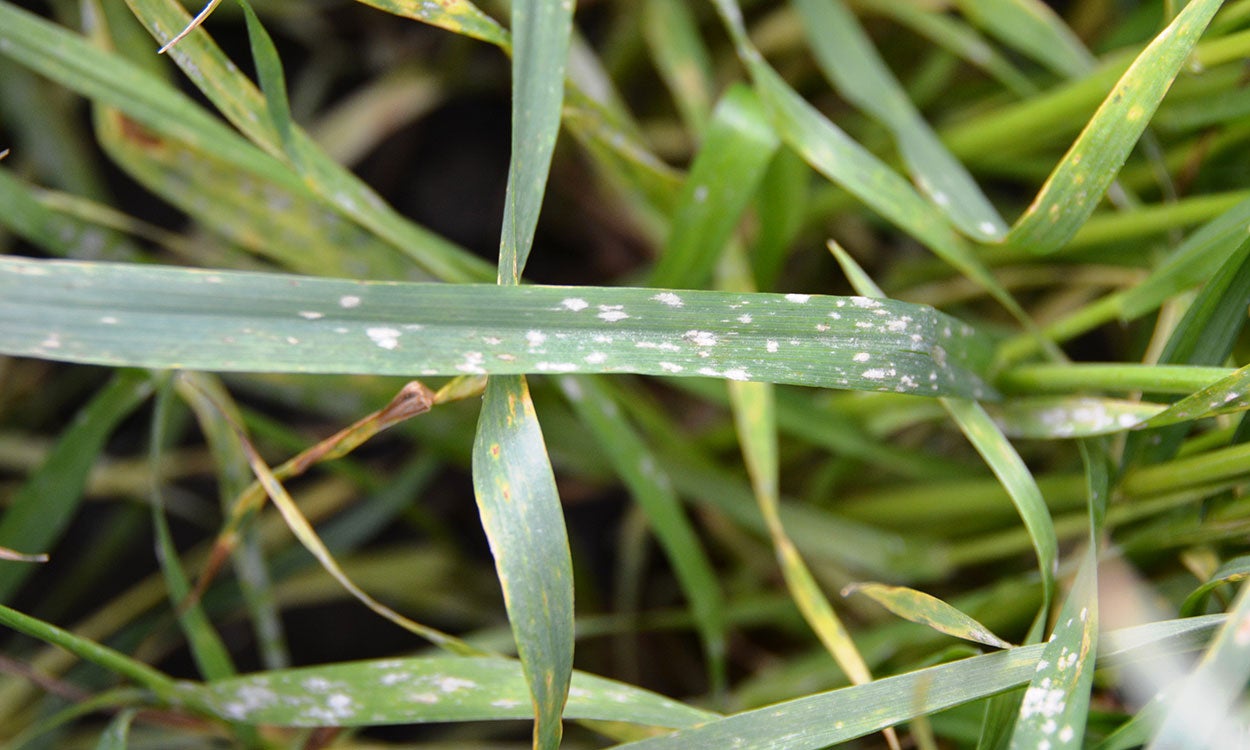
922	608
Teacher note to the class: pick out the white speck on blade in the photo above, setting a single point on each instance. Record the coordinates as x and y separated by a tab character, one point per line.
108	320
53	341
472	363
737	373
506	703
877	373
556	367
668	298
612	313
535	338
744	318
292	340
940	198
596	358
663	346
700	194
394	678
492	340
800	299
771	346
988	227
311	314
670	367
387	338
453	684
423	698
700	338
348	301
575	304
862	357
822	327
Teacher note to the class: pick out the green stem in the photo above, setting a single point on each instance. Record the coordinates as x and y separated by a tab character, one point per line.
1072	378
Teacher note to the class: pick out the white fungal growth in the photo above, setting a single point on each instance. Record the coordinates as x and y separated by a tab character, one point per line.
737	373
575	304
108	320
878	373
556	367
612	313
1043	700
670	367
868	303
596	358
700	338
700	194
669	298
387	338
454	684
311	315
771	346
862	357
798	299
535	338
744	318
348	301
472	363
988	227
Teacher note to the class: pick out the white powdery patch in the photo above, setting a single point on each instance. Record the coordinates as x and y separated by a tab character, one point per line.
575	304
506	703
596	358
800	299
535	338
492	340
670	367
612	313
744	318
772	346
348	301
879	373
311	315
822	327
988	227
868	303
53	341
670	299
737	373
387	338
108	320
472	363
663	346
700	194
454	684
898	325
862	357
1042	700
700	338
556	367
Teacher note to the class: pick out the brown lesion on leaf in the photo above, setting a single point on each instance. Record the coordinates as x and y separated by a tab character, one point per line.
137	133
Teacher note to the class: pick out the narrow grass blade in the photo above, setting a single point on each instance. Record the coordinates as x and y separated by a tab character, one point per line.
736	149
1015	476
681	58
239	101
541	31
1233	571
272	82
524	522
781	205
58	232
1056	704
210	653
848	58
1050	417
999	454
512	477
42	508
456	16
835	155
823	719
1201	712
1031	27
308	537
956	37
922	608
117	735
653	491
229	321
1076	185
1205	336
427	689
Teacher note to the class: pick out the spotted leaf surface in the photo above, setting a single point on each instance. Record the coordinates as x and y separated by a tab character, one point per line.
118	314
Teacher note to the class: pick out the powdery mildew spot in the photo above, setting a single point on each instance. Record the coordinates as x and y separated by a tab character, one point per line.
556	367
669	298
387	338
744	318
596	358
311	315
862	357
472	363
771	346
575	304
454	684
737	373
612	313
535	338
108	320
670	367
700	338
799	299
348	301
